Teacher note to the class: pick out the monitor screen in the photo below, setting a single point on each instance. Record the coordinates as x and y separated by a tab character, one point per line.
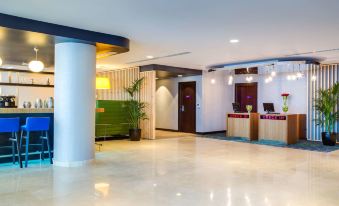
268	107
236	107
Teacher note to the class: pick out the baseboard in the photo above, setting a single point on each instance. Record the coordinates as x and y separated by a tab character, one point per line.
73	163
168	130
115	137
212	132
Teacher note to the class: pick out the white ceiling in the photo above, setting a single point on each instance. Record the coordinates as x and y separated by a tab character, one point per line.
265	28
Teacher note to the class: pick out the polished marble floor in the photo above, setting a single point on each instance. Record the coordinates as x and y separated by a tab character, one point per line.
185	171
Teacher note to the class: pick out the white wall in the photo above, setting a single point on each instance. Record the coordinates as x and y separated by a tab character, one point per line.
217	100
27	93
167	102
271	92
218	97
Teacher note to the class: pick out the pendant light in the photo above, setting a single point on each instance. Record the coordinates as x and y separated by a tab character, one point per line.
35	65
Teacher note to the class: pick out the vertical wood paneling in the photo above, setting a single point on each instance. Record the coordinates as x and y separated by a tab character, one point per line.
147	95
123	78
326	75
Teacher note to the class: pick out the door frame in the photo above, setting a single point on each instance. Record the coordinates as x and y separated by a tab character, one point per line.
195	104
245	84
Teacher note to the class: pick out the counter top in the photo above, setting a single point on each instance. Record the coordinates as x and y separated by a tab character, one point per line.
25	110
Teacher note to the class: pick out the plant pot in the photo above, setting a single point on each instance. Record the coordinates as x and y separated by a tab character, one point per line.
135	134
329	139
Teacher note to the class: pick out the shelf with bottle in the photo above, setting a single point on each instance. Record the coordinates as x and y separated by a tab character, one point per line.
13	77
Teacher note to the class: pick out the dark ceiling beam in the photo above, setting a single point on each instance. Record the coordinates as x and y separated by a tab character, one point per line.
120	43
177	70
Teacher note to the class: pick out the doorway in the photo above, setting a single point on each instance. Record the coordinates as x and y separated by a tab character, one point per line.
187	107
246	94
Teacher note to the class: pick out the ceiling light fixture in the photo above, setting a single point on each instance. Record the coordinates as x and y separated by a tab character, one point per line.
149	57
299	75
230	80
234	41
179	75
212	81
249	78
314	78
35	65
273	73
268	79
0	61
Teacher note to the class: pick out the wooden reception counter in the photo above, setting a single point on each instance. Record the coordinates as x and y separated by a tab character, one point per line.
243	125
287	128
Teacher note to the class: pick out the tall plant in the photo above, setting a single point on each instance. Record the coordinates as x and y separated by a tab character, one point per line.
326	106
136	109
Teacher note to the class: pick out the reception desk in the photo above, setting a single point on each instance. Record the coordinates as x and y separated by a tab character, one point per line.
243	125
287	128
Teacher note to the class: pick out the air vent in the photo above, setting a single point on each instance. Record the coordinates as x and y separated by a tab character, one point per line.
159	57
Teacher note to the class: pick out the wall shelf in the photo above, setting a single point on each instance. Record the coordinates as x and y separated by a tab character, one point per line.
24	85
25	71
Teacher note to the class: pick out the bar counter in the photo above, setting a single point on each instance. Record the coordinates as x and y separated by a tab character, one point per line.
23	113
25	110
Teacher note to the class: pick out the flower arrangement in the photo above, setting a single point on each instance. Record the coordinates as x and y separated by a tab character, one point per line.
285	106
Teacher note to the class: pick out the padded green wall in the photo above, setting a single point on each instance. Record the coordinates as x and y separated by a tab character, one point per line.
115	114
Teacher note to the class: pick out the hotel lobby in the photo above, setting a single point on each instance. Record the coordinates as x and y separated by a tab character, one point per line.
169	103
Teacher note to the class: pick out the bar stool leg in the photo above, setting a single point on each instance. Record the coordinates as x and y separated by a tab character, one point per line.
27	143
49	148
13	149
21	136
17	147
42	146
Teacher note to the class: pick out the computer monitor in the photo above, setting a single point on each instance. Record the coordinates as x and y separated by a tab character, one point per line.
268	107
236	107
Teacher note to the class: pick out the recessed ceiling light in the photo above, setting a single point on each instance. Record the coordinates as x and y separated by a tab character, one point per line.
179	75
234	41
149	57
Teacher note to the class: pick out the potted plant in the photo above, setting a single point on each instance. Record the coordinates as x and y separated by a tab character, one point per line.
326	106
136	110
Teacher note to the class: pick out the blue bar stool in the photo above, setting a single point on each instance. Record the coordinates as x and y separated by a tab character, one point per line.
36	124
12	125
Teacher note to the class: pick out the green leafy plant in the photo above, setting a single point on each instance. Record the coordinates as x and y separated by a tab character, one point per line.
135	108
326	107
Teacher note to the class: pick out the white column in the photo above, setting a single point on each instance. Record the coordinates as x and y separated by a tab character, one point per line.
74	113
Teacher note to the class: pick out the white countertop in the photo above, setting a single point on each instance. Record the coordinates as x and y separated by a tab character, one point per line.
25	110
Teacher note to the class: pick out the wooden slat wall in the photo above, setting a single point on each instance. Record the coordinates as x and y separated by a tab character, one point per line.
326	76
123	78
147	95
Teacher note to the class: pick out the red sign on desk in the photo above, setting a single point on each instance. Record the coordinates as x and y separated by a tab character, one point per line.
245	116
273	117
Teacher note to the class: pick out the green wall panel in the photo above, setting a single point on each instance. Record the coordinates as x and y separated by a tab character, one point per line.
115	114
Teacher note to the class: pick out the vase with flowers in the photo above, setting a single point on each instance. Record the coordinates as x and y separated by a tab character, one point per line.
285	106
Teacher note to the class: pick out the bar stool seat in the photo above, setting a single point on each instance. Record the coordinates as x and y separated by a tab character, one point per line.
36	124
12	125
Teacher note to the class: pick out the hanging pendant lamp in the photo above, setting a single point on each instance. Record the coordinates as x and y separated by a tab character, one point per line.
35	65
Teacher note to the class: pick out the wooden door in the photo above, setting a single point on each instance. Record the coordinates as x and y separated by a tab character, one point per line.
247	94
187	107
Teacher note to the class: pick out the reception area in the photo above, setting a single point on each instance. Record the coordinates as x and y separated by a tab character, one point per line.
169	103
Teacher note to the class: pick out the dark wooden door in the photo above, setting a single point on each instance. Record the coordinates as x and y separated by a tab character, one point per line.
187	106
247	94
